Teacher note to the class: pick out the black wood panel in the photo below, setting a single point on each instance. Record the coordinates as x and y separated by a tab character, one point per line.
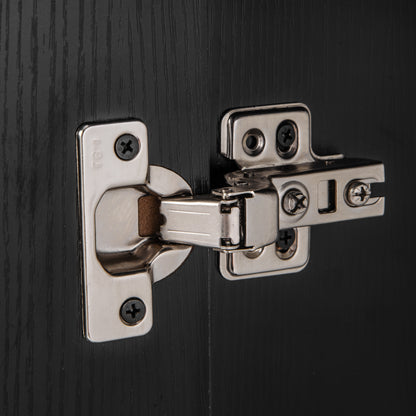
337	338
63	63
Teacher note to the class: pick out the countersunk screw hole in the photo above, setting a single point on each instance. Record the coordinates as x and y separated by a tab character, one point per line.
253	142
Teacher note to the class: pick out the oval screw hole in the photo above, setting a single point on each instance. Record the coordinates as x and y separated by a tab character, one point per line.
287	139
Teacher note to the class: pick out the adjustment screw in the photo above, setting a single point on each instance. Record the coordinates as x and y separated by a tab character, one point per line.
295	202
357	193
132	311
287	139
127	147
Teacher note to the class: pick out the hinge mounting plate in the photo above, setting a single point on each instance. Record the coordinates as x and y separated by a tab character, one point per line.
322	180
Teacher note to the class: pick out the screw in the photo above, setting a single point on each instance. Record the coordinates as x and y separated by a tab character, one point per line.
132	311
286	244
127	147
285	240
295	202
357	193
286	139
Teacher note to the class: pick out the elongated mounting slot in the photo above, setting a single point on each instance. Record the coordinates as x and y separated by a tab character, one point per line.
327	191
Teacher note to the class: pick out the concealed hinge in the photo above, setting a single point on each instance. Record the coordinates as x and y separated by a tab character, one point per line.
139	222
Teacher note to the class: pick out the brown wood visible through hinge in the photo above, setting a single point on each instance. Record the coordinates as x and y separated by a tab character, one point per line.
150	218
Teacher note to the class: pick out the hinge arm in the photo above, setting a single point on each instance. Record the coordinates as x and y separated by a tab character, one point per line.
224	220
247	215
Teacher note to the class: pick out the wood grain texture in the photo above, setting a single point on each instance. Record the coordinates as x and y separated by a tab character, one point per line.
338	338
64	63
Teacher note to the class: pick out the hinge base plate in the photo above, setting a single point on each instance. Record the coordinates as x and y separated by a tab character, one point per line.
300	169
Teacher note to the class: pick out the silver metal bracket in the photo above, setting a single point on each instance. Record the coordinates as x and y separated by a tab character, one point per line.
120	265
139	222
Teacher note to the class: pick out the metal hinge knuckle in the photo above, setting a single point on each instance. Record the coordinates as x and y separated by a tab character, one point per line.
227	220
208	222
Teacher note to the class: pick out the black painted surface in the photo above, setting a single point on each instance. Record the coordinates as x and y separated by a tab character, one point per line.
338	338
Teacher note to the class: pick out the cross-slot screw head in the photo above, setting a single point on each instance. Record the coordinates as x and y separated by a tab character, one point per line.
295	202
132	311
287	139
357	193
127	147
286	243
285	239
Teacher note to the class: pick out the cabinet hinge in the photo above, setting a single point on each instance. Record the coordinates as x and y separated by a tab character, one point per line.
139	222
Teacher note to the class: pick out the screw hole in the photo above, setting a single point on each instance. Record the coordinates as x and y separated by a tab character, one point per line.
253	142
253	254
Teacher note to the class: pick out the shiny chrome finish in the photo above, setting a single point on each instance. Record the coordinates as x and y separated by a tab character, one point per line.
120	247
208	222
237	265
99	171
253	142
310	187
253	254
281	186
117	263
373	172
267	119
243	219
